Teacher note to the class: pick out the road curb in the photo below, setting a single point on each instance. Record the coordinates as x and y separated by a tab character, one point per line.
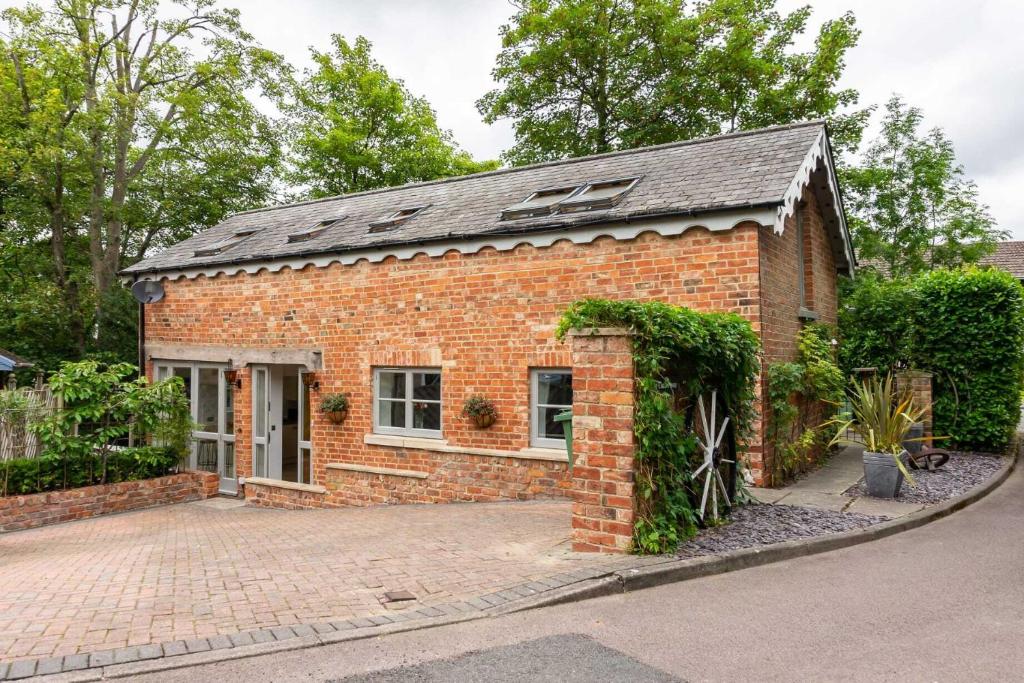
560	589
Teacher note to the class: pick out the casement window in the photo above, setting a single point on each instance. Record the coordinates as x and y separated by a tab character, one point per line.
550	394
407	401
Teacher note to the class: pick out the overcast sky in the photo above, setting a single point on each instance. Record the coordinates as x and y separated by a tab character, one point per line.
961	62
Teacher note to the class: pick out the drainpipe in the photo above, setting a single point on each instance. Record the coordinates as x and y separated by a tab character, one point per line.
142	334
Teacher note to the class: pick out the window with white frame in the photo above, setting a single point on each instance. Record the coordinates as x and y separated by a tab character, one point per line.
407	401
550	394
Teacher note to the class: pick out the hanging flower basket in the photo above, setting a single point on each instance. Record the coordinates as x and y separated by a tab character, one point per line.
335	407
480	410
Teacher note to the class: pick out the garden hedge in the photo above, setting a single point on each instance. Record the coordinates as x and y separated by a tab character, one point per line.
965	326
24	476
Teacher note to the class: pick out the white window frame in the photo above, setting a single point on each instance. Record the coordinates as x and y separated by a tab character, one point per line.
408	430
536	440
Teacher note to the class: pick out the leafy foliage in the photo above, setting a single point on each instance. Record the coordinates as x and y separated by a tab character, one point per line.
356	128
580	77
911	205
801	396
678	354
334	403
103	407
479	406
965	326
24	476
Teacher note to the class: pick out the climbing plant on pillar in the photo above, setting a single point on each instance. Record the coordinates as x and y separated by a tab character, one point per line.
678	355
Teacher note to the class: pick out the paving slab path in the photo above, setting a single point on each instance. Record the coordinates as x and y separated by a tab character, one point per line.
198	573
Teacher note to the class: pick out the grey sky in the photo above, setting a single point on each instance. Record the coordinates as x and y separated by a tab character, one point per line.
958	61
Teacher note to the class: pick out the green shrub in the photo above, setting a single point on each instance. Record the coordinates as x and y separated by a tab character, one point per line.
678	354
964	326
25	476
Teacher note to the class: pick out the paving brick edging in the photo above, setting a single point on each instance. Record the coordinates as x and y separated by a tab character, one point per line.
562	588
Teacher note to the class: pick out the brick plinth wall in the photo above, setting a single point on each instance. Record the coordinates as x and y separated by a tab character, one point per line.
603	508
276	496
919	384
39	509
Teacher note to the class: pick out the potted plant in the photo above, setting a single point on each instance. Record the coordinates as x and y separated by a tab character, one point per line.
883	420
480	410
335	406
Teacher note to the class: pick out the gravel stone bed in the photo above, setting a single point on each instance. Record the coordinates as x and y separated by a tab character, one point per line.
962	473
757	524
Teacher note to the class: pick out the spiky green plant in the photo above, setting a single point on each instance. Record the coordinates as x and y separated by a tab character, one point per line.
882	417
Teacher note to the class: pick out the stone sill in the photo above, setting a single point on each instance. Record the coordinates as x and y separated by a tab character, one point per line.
291	485
412	474
442	446
806	314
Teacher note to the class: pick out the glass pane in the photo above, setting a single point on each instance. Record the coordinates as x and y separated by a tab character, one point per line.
206	455
307	466
426	386
304	400
554	388
391	413
259	460
549	429
228	470
229	408
207	400
392	385
259	408
426	415
186	375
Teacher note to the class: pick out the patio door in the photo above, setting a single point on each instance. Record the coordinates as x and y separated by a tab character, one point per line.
212	402
260	421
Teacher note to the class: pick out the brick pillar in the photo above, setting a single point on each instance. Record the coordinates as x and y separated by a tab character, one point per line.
919	383
603	507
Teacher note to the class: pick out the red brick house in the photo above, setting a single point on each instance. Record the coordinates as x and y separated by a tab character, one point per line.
410	300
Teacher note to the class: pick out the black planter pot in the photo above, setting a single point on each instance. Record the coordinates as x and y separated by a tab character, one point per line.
882	478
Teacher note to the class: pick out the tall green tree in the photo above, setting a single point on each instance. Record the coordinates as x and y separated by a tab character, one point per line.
357	128
126	125
911	205
579	77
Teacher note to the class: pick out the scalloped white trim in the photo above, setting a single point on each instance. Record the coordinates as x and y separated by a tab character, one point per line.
715	222
817	154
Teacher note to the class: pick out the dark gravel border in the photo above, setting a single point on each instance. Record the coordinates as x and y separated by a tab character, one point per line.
962	473
757	525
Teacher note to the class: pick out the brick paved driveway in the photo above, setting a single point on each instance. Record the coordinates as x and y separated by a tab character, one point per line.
211	567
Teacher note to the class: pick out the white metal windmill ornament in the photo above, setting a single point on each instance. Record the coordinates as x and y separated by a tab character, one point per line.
710	442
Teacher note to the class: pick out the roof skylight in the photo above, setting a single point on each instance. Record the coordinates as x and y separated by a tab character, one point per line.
239	235
396	218
540	203
314	230
598	195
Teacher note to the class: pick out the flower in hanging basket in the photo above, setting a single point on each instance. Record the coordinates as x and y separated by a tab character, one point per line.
335	407
480	410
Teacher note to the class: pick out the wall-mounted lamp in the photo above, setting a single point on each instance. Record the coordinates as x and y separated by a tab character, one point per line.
231	377
311	381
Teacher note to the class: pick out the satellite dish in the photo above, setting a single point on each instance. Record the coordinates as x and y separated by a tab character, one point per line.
147	291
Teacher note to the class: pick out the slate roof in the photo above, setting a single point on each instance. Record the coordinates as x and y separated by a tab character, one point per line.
739	170
9	361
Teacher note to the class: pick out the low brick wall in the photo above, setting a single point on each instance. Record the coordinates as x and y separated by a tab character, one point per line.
280	495
53	507
450	478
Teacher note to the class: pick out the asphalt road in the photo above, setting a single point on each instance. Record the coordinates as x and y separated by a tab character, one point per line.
941	603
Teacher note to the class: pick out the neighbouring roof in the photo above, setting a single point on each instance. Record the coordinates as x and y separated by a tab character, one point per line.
10	361
1008	256
754	169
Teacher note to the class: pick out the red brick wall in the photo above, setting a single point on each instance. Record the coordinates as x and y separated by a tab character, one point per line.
26	512
485	318
780	297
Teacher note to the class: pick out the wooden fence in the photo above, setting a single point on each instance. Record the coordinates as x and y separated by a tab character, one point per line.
19	408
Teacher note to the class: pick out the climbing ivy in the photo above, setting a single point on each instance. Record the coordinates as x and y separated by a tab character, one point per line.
801	397
678	354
